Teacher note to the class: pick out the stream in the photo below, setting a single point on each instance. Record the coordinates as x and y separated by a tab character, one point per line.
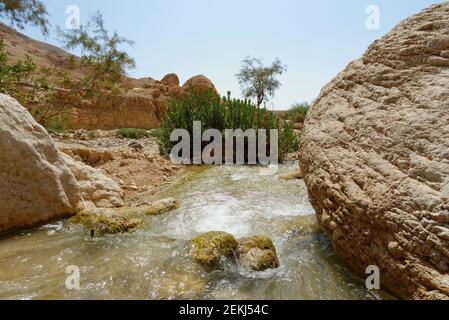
153	261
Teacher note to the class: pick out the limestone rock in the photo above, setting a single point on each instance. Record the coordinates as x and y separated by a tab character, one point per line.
208	249
375	158
257	253
96	189
161	207
39	183
36	183
105	221
199	83
134	109
171	80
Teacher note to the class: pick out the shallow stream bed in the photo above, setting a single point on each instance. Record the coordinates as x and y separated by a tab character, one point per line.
153	262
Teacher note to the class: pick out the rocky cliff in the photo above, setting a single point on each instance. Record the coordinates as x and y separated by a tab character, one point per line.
375	158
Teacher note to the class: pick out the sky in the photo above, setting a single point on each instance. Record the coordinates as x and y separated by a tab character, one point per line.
316	39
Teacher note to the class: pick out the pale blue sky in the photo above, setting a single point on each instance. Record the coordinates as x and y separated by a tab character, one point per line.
315	38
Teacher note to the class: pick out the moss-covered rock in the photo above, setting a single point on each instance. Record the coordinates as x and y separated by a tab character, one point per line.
257	253
105	221
208	249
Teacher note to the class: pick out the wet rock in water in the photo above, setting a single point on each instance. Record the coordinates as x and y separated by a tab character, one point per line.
160	207
374	154
257	253
208	249
295	175
105	221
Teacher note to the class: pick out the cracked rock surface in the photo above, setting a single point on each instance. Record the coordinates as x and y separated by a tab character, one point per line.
375	158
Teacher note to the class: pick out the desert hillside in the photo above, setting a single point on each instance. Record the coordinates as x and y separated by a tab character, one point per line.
140	104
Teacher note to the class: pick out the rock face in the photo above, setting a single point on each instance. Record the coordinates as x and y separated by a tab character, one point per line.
97	190
37	181
375	158
142	106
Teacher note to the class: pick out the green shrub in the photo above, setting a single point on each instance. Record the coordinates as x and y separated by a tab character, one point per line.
58	124
130	133
298	112
288	140
220	113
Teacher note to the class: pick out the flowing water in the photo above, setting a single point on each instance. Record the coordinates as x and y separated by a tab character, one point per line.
153	262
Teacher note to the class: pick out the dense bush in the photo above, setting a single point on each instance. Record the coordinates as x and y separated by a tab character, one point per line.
298	112
221	113
130	133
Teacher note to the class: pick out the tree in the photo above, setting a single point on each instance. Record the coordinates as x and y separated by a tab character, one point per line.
258	81
101	53
47	94
22	12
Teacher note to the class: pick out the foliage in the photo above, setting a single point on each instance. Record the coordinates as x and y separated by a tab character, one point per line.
131	133
20	81
259	81
47	94
58	124
101	57
288	140
298	112
221	114
22	12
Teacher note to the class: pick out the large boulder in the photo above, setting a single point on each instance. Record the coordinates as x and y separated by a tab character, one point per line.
171	80
38	182
199	83
375	158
